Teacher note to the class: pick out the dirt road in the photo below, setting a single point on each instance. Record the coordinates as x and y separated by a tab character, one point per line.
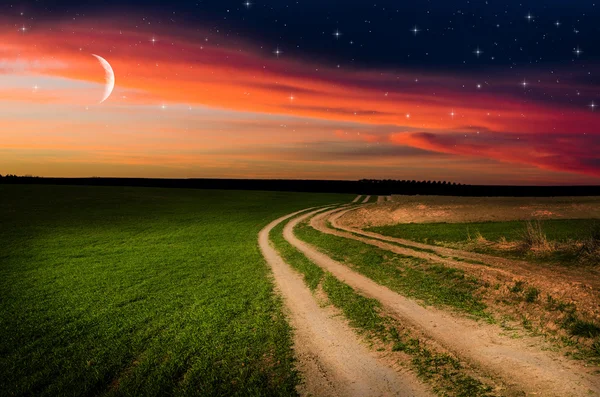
356	199
568	283
518	362
366	199
331	358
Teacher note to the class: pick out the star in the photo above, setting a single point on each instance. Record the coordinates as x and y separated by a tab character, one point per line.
478	86
277	52
477	52
452	114
524	83
337	34
153	40
557	23
163	106
577	51
247	4
415	30
408	115
529	17
593	106
23	29
292	97
35	87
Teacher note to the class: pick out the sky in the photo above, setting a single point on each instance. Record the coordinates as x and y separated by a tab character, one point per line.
482	92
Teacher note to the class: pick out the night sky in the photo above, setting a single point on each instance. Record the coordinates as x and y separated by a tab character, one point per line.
468	91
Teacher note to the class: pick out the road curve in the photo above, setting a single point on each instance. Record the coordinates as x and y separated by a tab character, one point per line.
331	358
520	365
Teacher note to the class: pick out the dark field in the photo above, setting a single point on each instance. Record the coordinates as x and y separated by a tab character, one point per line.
141	291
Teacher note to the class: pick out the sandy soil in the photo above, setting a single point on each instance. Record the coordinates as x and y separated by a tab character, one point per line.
430	209
331	358
518	362
380	199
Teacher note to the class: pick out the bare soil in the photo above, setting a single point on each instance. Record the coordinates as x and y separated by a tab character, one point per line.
331	358
520	363
433	209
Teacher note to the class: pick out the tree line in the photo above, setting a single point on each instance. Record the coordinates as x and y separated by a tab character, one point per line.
364	186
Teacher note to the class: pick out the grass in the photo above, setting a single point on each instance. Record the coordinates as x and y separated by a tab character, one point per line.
414	277
550	240
364	314
138	291
431	365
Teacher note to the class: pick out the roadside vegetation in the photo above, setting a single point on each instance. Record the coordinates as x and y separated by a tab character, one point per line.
434	284
141	291
519	304
560	242
446	374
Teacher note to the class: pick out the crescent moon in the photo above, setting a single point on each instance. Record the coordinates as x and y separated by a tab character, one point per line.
109	76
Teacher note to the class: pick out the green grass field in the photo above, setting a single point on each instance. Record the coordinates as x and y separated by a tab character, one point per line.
139	291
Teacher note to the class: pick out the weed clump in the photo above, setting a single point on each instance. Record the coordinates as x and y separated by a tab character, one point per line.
596	347
517	288
584	328
533	238
532	294
590	249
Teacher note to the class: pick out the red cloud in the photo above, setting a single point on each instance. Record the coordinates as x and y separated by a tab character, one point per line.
568	152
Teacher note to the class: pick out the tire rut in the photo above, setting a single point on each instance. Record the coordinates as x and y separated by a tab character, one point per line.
331	358
518	362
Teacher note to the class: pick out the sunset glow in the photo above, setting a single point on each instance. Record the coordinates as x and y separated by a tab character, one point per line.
197	104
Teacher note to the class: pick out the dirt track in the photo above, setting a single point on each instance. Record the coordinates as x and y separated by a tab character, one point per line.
331	358
567	283
520	364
